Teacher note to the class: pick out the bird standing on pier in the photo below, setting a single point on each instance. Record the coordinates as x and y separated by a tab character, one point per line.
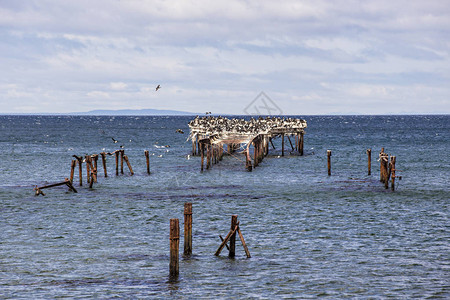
158	87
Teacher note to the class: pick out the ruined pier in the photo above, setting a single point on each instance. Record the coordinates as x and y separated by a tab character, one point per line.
211	134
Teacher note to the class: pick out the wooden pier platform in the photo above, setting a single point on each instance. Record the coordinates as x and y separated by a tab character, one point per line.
211	133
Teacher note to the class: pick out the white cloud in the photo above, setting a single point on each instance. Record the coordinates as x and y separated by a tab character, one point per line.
224	52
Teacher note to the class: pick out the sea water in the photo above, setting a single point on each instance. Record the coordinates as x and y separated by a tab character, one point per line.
309	234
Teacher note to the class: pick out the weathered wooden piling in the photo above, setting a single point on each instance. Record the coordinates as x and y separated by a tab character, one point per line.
103	154
329	162
393	173
231	237
188	228
65	182
290	142
301	143
174	248
128	164
234	224
88	168
202	151
282	144
73	164
208	157
369	161
117	153
122	153
147	158
80	170
95	159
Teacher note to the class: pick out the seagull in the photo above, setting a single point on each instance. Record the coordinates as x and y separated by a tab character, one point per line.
180	131
208	113
114	140
158	87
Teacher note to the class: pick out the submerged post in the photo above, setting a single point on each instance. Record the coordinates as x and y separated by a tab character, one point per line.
329	162
393	173
73	164
122	153
103	154
147	158
232	252
117	161
188	228
369	160
202	151
128	164
301	143
174	247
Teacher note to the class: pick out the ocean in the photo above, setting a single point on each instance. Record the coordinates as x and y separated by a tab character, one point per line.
310	235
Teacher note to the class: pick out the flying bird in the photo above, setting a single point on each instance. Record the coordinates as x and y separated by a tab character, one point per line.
208	112
114	140
180	131
158	87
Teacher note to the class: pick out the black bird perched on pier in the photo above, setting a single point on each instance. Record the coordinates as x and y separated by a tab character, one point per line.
158	87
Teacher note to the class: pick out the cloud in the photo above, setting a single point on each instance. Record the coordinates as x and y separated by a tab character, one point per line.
223	53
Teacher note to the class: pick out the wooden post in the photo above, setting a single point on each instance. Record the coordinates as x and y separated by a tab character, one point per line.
88	168
188	228
117	153
103	154
73	164
202	153
248	160
208	156
232	252
147	158
95	159
174	248
282	144
122	153
329	162
241	237
255	154
369	160
289	138
301	143
393	173
80	170
128	164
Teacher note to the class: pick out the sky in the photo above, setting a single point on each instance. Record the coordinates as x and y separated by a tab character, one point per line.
228	57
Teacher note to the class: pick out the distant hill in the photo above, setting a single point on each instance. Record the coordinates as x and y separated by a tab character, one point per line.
135	112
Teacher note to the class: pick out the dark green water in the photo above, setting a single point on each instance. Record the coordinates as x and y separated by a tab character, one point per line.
310	235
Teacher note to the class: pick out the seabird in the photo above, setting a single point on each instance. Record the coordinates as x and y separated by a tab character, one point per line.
158	87
114	140
180	131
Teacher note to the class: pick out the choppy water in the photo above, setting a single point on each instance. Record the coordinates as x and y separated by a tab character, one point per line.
310	235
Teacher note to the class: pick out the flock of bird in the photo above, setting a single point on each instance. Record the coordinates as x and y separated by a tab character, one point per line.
216	125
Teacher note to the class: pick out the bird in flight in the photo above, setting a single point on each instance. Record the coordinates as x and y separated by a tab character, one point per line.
208	112
114	140
158	87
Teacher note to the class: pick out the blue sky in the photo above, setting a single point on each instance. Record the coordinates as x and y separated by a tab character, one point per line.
308	57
